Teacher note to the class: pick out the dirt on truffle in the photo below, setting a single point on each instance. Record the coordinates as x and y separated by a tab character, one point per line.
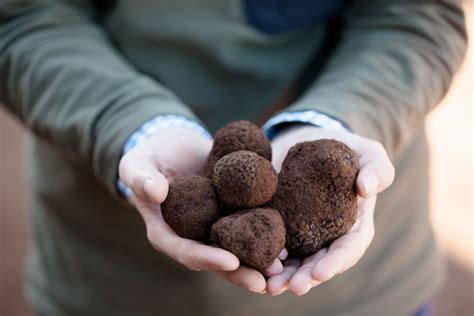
316	194
191	207
244	179
255	236
235	136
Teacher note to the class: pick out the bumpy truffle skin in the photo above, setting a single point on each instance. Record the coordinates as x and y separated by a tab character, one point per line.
191	207
255	236
244	180
235	136
316	194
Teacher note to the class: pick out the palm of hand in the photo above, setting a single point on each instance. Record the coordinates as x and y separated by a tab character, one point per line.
376	173
147	169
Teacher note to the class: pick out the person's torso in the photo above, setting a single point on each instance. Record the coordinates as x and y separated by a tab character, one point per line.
228	61
223	58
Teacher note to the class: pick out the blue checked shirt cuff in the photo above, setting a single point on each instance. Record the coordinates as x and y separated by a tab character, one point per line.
315	118
152	127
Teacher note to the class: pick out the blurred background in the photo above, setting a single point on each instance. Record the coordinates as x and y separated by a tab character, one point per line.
450	131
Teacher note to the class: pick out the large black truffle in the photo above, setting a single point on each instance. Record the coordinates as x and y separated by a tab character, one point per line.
238	135
316	194
255	236
191	207
244	179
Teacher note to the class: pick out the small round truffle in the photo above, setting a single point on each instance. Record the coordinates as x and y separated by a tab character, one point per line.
191	207
316	194
244	179
255	236
238	135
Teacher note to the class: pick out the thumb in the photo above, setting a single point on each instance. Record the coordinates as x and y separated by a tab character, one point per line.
376	172
146	182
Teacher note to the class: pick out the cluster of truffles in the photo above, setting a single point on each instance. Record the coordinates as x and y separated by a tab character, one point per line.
239	177
243	206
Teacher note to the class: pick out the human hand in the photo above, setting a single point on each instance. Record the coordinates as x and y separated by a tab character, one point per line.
147	170
376	173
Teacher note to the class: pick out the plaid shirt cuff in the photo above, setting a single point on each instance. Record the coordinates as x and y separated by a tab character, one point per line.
152	127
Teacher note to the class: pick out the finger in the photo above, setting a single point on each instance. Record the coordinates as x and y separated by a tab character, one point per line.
197	256
143	179
192	254
283	254
302	281
156	187
247	278
279	283
345	251
275	268
376	170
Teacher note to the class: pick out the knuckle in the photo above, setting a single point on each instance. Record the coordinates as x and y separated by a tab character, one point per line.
136	181
126	160
391	172
150	234
389	175
136	184
153	238
369	236
185	256
123	167
199	263
189	262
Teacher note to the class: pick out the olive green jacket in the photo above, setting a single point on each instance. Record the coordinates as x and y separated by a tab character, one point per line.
83	77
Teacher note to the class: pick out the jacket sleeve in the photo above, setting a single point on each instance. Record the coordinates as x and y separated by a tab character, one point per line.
393	64
60	75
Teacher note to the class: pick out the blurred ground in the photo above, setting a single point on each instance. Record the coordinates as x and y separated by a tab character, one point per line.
450	131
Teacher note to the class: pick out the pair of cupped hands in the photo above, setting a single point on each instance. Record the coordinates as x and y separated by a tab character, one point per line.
175	152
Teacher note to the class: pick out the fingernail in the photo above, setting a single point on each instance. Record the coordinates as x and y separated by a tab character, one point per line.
254	288
370	183
283	255
149	187
281	291
258	291
325	278
306	290
263	292
328	277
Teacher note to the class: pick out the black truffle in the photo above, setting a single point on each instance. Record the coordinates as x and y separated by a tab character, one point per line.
238	135
255	236
316	194
244	179
191	207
